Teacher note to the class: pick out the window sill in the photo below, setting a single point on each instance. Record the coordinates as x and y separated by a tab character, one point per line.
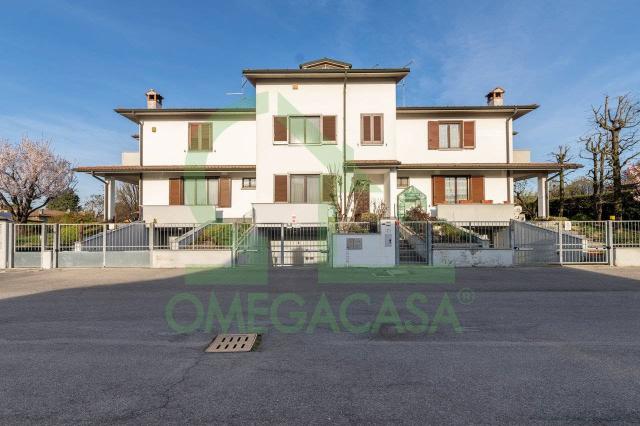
249	188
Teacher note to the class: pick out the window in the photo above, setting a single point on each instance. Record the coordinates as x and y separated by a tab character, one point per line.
449	135
304	130
456	188
305	189
248	183
200	137
403	182
200	191
371	129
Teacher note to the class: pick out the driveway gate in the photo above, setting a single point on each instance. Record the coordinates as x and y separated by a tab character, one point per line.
283	244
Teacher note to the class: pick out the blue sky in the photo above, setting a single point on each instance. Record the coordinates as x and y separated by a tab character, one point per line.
65	65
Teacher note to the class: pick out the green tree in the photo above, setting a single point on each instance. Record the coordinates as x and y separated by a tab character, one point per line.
67	201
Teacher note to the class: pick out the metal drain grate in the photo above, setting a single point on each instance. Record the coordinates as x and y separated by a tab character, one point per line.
233	343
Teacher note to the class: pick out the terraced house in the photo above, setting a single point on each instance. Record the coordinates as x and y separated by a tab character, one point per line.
275	162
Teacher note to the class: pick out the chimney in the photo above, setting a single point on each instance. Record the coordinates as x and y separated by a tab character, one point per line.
495	97
154	99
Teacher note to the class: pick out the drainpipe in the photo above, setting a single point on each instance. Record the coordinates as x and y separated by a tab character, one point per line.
344	143
509	135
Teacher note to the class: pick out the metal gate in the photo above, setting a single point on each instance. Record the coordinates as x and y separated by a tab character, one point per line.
414	242
283	244
561	242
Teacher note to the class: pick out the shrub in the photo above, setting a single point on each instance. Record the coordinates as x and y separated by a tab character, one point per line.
417	214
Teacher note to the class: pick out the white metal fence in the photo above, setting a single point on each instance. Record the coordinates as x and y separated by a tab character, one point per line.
278	244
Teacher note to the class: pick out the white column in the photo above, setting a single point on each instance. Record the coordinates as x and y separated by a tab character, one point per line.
393	192
5	244
542	196
109	199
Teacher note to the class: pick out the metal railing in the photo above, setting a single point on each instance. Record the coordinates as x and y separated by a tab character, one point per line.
626	233
194	236
471	235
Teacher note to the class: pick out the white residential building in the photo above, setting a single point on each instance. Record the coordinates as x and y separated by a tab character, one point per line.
275	162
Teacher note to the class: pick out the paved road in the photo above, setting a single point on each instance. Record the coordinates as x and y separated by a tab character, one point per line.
534	345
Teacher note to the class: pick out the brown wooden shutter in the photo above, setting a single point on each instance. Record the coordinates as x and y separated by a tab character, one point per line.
469	135
205	137
438	189
224	192
328	186
377	128
477	189
280	189
329	128
279	129
433	134
193	136
366	129
176	192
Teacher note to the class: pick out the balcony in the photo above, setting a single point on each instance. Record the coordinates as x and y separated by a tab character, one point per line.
131	158
290	213
476	212
521	156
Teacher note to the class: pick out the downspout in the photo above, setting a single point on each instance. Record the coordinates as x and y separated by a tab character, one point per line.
509	135
344	144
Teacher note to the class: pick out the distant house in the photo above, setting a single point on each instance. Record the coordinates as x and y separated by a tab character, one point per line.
276	161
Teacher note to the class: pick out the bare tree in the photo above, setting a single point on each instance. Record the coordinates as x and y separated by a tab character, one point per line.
620	125
597	149
30	176
94	205
127	198
562	157
344	212
525	198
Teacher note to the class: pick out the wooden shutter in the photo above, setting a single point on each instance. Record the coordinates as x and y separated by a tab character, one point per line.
193	136
477	189
328	186
433	135
329	128
377	129
224	192
205	137
176	192
280	189
366	129
279	129
438	195
469	135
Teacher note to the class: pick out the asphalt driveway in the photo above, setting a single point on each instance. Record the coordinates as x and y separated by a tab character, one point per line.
517	345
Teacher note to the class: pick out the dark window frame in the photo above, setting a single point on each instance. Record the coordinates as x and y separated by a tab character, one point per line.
456	177
398	182
249	186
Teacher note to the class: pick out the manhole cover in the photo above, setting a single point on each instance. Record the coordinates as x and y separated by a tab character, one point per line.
233	343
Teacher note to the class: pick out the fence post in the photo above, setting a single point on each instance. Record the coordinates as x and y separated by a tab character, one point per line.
610	249
12	244
560	256
429	241
282	244
104	245
56	244
234	242
151	237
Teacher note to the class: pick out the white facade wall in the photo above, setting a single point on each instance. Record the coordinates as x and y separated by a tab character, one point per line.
491	140
234	141
319	98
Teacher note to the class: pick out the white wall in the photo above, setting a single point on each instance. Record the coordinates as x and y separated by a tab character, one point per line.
375	250
233	141
190	258
462	258
155	193
490	140
319	98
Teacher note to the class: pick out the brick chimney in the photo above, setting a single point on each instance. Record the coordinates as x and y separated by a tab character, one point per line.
154	99
495	97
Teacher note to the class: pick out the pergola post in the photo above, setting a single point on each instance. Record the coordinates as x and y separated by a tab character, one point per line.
109	199
542	196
